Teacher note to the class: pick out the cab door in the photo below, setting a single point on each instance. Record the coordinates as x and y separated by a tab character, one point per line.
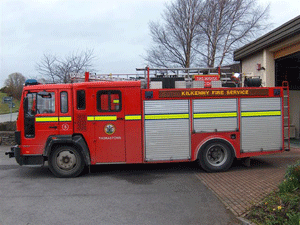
40	119
109	126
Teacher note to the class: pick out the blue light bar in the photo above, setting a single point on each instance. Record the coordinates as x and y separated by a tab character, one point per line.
31	82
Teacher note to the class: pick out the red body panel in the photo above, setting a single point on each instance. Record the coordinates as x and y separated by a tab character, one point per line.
198	139
133	127
115	132
67	121
124	144
81	125
109	134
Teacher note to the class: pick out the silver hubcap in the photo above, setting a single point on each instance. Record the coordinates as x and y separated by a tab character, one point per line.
216	155
66	160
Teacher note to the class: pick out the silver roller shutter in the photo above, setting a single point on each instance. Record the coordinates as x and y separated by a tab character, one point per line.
261	124
215	115
167	135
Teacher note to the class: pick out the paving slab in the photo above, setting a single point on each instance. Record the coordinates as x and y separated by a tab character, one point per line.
241	186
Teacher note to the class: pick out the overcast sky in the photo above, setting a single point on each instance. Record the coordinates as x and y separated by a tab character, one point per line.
117	30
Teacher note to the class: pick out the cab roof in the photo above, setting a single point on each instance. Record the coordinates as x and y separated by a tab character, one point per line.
102	84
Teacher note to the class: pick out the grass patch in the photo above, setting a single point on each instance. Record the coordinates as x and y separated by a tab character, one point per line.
4	109
282	206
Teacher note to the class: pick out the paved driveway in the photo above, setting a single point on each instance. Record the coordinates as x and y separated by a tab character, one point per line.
127	194
240	188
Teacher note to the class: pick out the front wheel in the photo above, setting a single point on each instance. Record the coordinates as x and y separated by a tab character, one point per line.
66	161
215	157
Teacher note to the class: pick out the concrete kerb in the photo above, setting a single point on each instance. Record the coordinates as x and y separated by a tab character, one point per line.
245	221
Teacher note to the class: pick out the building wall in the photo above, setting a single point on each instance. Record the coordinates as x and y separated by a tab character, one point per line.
282	41
249	66
269	64
267	61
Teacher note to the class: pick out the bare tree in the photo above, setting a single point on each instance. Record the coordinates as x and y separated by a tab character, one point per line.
226	25
14	85
175	39
58	70
47	67
204	32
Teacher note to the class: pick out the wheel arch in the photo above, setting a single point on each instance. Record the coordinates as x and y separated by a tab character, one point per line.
205	143
76	141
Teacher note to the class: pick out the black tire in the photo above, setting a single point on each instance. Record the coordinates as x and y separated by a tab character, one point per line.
66	161
216	157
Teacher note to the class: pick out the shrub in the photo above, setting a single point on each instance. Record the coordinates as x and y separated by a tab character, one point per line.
283	206
292	179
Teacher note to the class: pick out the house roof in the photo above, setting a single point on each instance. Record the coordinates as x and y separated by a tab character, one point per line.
281	33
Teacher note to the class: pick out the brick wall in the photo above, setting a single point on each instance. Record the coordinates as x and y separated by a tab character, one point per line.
8	126
7	133
7	138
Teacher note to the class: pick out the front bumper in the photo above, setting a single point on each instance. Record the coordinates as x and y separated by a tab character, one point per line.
15	152
30	160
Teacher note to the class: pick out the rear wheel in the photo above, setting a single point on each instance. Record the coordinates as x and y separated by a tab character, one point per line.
215	157
66	161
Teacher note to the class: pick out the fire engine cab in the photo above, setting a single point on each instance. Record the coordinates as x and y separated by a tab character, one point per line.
149	120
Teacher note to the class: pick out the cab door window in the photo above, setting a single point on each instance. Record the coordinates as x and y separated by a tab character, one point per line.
29	115
64	102
45	102
31	104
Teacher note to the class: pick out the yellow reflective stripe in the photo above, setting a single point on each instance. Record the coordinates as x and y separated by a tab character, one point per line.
116	101
46	119
65	118
101	118
166	116
262	113
215	115
133	117
90	118
105	118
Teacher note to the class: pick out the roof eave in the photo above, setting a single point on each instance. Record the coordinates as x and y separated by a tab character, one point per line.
275	36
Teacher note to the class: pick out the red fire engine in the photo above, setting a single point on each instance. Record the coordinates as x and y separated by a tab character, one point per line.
148	121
